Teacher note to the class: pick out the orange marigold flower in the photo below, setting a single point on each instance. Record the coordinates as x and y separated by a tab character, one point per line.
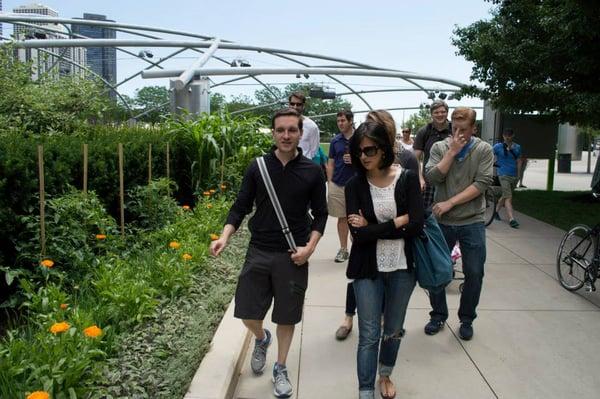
223	186
64	306
206	193
100	236
174	245
47	263
38	395
214	237
93	331
59	327
208	206
186	256
186	207
212	191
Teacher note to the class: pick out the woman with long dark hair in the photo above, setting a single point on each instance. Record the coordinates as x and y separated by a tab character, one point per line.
385	211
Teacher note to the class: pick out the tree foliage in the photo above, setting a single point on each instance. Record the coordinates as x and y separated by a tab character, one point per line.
46	104
418	120
273	98
537	55
154	102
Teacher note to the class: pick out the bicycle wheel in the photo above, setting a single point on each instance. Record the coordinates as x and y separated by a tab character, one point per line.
490	206
574	256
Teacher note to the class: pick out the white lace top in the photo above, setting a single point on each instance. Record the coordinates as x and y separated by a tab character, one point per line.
390	253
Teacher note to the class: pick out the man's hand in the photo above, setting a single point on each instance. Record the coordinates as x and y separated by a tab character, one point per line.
457	142
442	207
300	257
217	246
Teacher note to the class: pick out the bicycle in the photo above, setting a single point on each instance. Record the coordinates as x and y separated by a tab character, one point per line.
491	200
578	258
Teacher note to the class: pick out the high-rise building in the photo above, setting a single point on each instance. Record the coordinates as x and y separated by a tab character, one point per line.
53	61
102	60
1	33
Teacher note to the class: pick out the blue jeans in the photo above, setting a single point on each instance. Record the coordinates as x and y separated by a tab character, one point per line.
472	247
396	287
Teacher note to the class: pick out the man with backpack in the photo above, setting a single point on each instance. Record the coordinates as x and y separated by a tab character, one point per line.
508	155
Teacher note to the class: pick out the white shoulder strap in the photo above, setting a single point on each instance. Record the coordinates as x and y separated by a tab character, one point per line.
262	167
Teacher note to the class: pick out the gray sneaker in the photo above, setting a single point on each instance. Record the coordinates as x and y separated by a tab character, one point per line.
282	387
259	354
341	256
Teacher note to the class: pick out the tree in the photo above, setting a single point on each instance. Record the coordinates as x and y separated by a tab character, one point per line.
154	101
537	56
418	120
47	104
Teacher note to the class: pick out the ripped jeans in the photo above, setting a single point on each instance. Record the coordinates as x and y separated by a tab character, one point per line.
396	287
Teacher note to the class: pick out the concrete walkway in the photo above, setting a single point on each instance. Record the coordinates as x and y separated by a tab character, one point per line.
533	339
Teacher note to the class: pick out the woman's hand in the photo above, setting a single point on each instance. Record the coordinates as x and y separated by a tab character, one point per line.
400	221
355	220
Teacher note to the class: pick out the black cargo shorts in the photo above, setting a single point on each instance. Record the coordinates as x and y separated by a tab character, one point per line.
268	276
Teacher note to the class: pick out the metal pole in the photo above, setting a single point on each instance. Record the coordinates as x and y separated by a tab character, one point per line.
187	75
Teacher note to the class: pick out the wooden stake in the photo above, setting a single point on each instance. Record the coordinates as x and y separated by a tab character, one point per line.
168	162
42	200
121	190
149	163
85	168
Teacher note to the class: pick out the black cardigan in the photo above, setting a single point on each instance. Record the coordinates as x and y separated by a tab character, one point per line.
363	256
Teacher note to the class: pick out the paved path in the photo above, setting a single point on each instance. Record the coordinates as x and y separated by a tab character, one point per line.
533	339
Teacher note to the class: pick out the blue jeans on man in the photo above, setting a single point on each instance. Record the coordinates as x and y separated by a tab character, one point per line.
472	246
396	287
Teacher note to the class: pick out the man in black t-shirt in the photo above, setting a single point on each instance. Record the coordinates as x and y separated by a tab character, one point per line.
437	130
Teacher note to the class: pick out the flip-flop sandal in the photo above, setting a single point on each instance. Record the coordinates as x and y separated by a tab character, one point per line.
383	385
342	333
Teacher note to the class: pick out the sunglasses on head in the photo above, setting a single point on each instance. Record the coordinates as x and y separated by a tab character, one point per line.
369	151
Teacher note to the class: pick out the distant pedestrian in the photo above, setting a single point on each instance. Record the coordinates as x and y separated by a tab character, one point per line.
437	130
271	272
339	171
406	140
311	137
508	159
385	211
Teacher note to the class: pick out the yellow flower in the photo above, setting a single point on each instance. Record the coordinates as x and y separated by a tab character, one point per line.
47	263
93	331
186	207
100	236
208	206
186	256
223	186
64	306
59	327
38	395
212	191
206	193
174	245
214	237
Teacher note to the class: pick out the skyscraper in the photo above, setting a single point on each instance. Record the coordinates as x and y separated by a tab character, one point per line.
53	61
102	60
1	33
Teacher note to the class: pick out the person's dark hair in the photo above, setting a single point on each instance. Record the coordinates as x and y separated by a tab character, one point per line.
508	132
299	95
349	115
287	112
379	134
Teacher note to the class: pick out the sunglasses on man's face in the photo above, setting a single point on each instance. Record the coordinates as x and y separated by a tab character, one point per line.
369	151
291	104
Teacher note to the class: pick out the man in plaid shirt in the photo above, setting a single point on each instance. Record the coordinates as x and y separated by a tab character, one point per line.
437	130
